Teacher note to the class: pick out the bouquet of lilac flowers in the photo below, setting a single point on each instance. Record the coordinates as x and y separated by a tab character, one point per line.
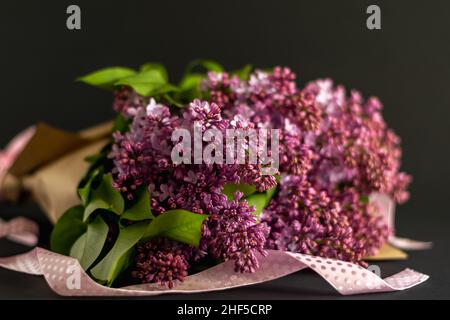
225	165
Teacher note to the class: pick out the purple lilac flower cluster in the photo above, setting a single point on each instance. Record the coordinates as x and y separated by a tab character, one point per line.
163	261
335	150
231	232
142	156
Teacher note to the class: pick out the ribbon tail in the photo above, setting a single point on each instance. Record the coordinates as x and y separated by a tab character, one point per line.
20	230
349	279
409	244
27	263
386	208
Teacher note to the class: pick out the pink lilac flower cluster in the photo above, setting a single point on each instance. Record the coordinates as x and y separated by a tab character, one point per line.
231	232
163	261
334	150
142	157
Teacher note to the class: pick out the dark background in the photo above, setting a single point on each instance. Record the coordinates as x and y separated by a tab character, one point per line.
406	64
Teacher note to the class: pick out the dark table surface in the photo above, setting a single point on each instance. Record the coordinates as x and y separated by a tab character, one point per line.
301	285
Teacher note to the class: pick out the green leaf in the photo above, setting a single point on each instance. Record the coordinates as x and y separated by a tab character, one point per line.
191	81
140	210
243	73
89	246
116	260
144	83
85	191
230	189
67	230
98	163
189	87
269	195
173	101
155	66
93	158
180	225
165	88
78	247
105	197
121	124
107	77
364	199
209	65
258	200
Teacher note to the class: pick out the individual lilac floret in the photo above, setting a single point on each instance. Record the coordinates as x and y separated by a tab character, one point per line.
207	114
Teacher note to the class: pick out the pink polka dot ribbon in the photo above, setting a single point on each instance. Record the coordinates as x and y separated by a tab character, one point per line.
67	278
